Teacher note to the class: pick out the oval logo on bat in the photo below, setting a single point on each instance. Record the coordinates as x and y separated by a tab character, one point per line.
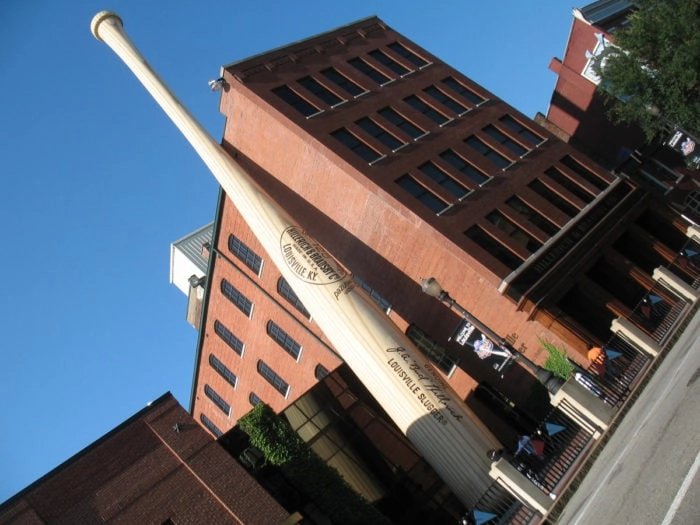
308	259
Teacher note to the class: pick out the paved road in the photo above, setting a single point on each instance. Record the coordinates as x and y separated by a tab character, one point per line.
648	472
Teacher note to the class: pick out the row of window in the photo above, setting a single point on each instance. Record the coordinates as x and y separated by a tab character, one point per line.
517	230
332	88
263	369
254	262
435	106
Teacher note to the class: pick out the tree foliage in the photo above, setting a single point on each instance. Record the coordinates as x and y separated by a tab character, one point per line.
651	75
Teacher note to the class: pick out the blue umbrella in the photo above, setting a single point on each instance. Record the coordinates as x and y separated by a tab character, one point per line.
612	354
654	298
553	429
483	517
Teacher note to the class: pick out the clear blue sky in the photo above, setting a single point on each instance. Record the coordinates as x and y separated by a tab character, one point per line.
96	184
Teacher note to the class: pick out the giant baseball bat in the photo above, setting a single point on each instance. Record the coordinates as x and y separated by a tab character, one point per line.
448	435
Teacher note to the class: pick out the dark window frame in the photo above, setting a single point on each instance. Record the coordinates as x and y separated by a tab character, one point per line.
422	107
295	100
219	401
357	145
343	82
464	167
287	292
401	122
284	340
463	91
403	51
378	132
488	152
245	254
228	337
421	193
320	91
223	370
209	424
239	300
370	72
273	378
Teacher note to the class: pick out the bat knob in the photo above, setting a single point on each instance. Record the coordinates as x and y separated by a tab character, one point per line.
101	17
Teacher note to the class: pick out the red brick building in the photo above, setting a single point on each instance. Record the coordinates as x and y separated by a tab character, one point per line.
157	467
404	169
578	113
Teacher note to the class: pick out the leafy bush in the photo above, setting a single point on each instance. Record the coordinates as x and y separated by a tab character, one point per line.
558	362
272	435
320	483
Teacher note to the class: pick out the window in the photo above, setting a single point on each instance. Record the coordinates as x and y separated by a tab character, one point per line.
286	291
379	133
584	172
321	372
302	105
374	295
368	70
236	297
444	180
433	202
342	82
522	131
493	247
407	54
499	136
533	216
389	62
360	148
271	377
320	91
217	365
554	198
253	399
209	425
227	336
498	159
564	181
283	339
247	256
515	232
426	110
463	166
218	400
445	100
404	125
433	351
463	91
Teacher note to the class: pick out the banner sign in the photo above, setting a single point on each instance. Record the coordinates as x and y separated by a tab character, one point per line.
467	334
686	145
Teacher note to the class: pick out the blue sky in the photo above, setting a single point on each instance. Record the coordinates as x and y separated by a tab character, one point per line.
96	184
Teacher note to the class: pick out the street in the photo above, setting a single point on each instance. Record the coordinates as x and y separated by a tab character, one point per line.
647	473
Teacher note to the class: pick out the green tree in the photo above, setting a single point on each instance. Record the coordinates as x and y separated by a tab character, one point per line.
651	75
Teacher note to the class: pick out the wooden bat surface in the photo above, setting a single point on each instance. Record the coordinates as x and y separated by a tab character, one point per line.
448	435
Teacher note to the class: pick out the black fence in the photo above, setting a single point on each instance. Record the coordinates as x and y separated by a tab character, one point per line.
612	375
497	506
658	312
686	264
551	452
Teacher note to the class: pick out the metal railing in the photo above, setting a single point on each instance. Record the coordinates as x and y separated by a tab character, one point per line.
547	456
501	507
686	265
658	312
616	370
